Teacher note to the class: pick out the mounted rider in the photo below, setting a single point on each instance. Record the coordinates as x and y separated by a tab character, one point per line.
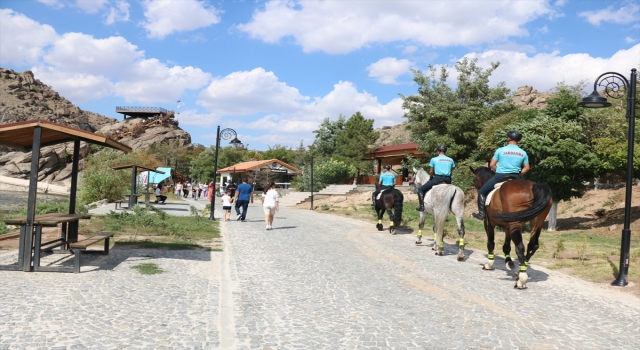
512	161
440	170
387	180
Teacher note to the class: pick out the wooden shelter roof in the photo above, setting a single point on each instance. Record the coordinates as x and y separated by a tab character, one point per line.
140	167
247	166
20	135
395	151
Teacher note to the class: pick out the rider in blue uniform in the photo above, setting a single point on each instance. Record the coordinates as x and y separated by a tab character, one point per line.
387	179
440	171
511	161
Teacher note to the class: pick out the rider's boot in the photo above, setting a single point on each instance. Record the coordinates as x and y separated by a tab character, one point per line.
421	201
481	207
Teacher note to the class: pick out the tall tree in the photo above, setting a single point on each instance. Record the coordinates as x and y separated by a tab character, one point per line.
283	153
327	135
439	115
356	141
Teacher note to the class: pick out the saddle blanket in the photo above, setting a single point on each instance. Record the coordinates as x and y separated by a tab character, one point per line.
495	189
383	191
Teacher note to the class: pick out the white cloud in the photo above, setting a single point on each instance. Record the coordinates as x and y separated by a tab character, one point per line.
166	17
544	30
52	3
22	40
409	49
91	6
544	70
388	69
629	40
248	92
344	26
626	14
289	115
119	12
75	86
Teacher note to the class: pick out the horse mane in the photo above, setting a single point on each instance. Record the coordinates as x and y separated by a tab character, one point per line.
423	178
484	174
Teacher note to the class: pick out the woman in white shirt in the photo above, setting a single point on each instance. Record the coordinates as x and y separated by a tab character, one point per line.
270	204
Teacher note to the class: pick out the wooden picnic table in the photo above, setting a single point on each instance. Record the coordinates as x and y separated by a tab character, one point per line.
69	235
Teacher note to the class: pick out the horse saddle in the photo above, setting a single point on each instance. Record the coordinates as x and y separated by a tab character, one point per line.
381	192
496	187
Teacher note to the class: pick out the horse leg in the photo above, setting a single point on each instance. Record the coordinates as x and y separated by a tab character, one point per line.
521	275
392	228
420	227
491	244
380	214
460	222
506	249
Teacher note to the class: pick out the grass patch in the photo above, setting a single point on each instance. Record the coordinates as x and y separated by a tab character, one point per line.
148	268
155	225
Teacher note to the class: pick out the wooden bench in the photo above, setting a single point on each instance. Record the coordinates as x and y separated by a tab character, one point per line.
119	203
81	246
9	236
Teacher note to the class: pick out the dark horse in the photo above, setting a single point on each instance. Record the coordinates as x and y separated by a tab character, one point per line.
391	201
511	206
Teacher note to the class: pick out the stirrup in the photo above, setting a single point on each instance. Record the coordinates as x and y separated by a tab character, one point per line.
478	216
421	208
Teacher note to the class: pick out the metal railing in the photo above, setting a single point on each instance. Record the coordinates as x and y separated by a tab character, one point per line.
141	109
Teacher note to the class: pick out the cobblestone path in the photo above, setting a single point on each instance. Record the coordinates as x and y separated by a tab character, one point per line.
318	281
315	281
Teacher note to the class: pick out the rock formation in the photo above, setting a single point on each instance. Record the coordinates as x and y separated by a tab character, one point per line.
22	97
526	97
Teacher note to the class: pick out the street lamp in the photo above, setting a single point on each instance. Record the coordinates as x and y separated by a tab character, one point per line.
225	134
311	180
615	86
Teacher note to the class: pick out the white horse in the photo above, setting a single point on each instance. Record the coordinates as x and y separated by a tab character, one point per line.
439	201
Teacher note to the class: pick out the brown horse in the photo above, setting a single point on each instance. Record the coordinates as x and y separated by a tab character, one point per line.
512	205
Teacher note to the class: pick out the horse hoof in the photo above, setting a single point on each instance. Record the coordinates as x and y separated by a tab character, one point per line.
460	258
510	265
418	243
392	231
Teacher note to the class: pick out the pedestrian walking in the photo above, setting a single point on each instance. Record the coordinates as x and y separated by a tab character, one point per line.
232	187
244	195
186	189
270	204
179	189
226	206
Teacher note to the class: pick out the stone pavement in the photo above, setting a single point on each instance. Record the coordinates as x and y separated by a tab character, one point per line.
313	282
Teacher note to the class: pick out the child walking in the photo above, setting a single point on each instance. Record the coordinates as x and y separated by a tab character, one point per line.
226	206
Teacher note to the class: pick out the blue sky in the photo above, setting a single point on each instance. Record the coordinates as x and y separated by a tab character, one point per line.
273	70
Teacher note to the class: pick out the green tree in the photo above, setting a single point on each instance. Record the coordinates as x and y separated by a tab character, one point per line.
439	115
326	171
356	141
327	134
98	181
283	153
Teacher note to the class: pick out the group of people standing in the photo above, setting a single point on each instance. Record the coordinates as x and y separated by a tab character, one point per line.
243	196
197	189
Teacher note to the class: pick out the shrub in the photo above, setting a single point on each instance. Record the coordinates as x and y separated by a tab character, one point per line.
98	181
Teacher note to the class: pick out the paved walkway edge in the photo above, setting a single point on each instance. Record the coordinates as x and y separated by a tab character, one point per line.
227	286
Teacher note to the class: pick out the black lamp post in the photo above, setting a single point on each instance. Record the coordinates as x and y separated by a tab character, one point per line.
311	180
615	86
225	134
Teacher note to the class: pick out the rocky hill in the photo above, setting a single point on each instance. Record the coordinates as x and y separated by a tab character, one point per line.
23	97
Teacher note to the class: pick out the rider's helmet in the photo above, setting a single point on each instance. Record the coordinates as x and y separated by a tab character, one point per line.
514	135
441	148
387	167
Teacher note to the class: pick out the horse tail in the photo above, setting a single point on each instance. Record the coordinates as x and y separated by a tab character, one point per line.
441	211
541	197
397	207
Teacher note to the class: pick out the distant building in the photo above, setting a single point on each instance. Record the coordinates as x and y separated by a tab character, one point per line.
260	172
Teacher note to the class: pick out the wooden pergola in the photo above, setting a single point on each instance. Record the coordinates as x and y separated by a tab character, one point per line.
394	154
133	199
32	135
